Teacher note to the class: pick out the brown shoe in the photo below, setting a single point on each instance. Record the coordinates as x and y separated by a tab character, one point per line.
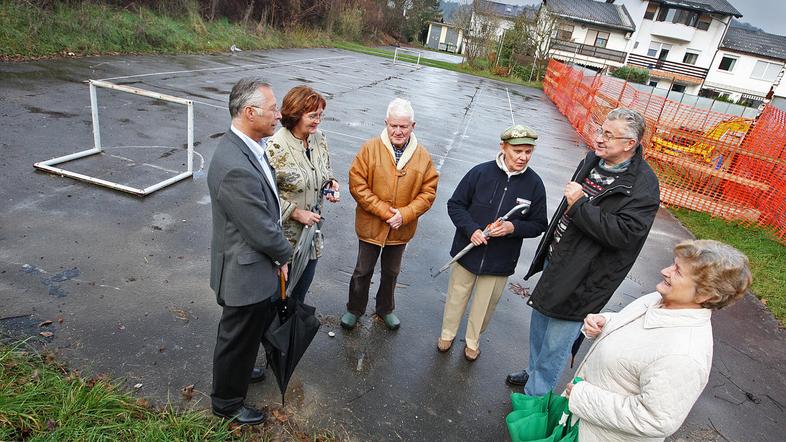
444	345
471	354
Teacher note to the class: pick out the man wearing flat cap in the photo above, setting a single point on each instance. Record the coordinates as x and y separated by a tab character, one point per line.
487	192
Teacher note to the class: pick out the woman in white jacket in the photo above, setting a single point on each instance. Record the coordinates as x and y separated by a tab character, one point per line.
651	361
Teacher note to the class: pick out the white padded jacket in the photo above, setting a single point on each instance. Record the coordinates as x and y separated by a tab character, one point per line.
643	373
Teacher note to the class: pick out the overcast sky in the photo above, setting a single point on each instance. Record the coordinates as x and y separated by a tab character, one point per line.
769	15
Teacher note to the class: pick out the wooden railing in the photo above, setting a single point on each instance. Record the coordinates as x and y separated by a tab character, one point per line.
668	66
588	50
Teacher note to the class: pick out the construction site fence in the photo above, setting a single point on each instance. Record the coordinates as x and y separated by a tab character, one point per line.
729	166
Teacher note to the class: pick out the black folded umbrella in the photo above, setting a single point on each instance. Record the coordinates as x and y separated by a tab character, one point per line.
288	337
574	349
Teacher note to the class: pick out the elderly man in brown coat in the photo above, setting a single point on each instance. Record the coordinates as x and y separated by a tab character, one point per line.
394	182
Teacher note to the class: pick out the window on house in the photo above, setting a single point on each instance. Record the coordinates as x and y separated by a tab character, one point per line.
602	39
654	49
680	16
766	71
654	83
676	87
690	58
652	8
727	64
658	50
705	20
564	32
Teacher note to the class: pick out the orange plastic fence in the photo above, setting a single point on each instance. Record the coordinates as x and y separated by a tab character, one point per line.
725	165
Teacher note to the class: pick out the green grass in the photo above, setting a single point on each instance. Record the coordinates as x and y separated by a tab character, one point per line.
767	256
40	401
408	57
86	28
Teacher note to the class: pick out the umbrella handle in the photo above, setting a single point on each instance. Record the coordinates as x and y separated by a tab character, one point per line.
282	285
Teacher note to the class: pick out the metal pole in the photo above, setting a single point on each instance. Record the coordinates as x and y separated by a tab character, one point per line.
190	138
94	112
622	92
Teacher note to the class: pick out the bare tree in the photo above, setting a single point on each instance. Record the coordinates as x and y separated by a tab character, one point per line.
529	40
481	31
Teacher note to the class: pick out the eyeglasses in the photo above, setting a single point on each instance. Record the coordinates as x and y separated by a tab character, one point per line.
315	115
607	136
274	110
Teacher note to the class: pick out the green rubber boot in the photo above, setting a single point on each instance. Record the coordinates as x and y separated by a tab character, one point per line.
391	321
348	321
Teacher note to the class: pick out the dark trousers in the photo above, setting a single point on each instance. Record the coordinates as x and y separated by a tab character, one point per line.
239	333
301	288
361	278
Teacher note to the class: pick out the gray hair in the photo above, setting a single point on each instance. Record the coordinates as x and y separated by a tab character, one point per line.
400	107
721	272
635	122
245	93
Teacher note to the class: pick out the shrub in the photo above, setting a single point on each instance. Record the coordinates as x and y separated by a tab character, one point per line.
350	24
633	74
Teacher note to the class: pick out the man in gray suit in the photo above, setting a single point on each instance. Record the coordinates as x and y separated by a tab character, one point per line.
248	248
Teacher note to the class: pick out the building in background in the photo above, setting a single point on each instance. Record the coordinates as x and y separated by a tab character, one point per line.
748	67
676	40
587	32
445	37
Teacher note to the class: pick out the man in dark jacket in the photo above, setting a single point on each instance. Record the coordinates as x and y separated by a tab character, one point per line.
487	192
590	245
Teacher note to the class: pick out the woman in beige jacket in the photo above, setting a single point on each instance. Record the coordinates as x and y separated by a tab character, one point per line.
299	153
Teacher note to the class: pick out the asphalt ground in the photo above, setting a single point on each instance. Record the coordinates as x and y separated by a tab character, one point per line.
125	279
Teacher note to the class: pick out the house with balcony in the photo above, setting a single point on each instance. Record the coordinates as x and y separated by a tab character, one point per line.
676	40
748	66
587	32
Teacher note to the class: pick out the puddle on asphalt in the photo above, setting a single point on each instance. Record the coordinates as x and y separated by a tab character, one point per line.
52	282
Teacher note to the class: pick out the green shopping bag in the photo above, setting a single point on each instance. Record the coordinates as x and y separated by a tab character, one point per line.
541	418
571	433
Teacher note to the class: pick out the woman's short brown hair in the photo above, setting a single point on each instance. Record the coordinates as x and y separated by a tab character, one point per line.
720	271
298	101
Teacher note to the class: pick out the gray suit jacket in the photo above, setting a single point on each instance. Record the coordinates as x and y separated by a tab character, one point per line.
248	243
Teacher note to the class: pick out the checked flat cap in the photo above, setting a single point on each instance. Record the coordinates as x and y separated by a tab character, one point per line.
519	134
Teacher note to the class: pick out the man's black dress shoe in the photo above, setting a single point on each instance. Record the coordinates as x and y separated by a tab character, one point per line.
257	375
244	415
518	378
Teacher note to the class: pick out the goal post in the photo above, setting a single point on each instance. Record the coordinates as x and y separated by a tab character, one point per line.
49	165
395	54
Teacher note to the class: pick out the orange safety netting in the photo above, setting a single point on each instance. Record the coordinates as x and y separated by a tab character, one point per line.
724	165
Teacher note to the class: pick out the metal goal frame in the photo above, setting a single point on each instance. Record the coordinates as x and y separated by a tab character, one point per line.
49	165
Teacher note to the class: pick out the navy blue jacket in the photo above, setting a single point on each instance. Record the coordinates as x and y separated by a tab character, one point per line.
485	194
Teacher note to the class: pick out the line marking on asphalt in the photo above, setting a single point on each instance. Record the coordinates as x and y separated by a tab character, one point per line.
201	157
510	106
465	122
223	68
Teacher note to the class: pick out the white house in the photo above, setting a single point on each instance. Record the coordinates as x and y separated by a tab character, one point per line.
748	65
588	32
445	37
676	40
